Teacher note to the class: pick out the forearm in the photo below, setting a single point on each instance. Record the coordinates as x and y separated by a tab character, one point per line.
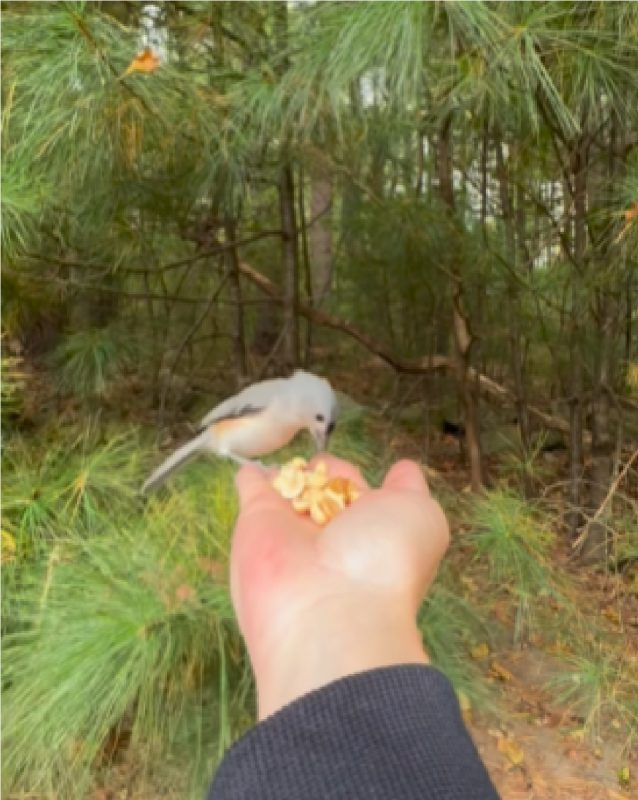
388	733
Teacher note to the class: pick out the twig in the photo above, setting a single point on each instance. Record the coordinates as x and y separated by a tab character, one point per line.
432	363
163	267
612	491
189	334
217	250
106	289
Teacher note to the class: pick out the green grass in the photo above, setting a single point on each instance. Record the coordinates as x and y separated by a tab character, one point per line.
514	541
87	361
117	614
451	624
598	685
129	621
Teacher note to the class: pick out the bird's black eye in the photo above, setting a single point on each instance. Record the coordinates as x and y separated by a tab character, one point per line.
320	417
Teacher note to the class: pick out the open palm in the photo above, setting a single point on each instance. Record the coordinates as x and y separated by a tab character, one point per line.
314	603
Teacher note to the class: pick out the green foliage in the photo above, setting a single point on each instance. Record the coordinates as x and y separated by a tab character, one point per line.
118	185
598	686
116	613
21	201
11	387
80	481
86	361
450	625
125	620
624	552
520	464
516	544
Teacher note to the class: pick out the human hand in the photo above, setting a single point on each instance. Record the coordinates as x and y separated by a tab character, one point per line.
316	604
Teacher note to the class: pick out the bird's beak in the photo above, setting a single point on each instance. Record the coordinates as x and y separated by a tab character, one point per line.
321	440
322	437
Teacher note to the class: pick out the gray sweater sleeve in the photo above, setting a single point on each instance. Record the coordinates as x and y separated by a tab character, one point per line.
395	732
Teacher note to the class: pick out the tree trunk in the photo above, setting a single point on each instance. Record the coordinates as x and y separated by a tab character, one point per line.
460	320
320	234
239	336
629	291
595	544
513	305
306	266
290	261
576	382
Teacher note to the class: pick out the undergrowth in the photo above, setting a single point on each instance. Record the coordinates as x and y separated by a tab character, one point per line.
515	543
117	617
598	685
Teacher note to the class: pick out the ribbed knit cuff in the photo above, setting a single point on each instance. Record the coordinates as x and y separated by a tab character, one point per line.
395	732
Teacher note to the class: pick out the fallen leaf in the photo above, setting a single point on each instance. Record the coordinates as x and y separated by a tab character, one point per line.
185	592
558	647
146	62
480	651
624	776
611	614
578	734
631	213
511	750
469	583
500	672
212	567
8	547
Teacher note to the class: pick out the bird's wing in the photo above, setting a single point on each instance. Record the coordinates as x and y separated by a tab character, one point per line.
250	400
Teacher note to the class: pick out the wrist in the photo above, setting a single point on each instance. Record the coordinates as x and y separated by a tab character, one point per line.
338	636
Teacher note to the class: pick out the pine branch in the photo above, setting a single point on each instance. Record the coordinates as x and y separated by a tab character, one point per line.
433	363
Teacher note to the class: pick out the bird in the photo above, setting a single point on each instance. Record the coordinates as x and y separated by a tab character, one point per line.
259	420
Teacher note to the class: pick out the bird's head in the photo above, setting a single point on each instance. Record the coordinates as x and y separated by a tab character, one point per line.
317	406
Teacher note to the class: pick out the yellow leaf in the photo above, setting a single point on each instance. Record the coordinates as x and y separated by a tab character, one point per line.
146	61
511	750
624	775
631	212
470	583
500	672
611	614
631	376
578	734
8	547
480	651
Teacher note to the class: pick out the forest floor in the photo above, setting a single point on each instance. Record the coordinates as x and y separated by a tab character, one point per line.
537	750
534	746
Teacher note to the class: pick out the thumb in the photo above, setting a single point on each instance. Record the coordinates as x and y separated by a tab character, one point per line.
406	475
252	483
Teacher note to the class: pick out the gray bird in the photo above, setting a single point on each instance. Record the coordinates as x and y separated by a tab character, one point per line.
260	419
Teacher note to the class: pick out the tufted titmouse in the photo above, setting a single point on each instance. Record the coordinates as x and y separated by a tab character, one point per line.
259	420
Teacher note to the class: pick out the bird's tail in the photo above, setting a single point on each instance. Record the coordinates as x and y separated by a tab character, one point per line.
176	460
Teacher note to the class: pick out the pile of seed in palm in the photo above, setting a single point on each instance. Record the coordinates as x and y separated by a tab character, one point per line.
312	492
